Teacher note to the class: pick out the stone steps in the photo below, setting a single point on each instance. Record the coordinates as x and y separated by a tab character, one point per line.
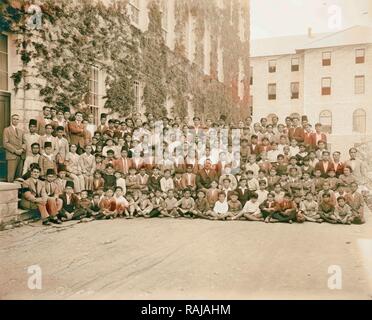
22	217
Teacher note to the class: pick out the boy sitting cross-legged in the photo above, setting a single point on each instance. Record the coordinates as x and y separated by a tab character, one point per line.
70	208
251	210
202	208
170	206
186	204
221	208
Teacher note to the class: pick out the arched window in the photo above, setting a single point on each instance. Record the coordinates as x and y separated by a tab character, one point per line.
325	118
359	121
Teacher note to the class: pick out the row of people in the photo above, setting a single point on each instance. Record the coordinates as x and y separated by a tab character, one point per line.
56	200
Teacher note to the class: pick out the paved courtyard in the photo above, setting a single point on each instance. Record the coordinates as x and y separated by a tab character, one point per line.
163	258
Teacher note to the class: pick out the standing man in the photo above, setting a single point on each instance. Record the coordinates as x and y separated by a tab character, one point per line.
77	131
12	141
338	165
102	127
357	166
317	136
43	120
31	137
325	165
91	126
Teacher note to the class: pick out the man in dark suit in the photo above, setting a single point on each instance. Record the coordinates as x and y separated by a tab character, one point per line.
13	144
206	175
338	165
325	164
243	191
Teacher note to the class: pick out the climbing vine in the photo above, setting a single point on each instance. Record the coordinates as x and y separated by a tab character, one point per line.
57	59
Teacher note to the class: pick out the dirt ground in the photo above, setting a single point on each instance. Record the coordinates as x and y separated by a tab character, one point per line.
186	259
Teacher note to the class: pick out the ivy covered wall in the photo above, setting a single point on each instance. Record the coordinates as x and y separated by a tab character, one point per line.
76	35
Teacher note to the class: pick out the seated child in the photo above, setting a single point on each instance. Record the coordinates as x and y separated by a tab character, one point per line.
70	204
332	179
286	210
212	193
202	208
166	182
234	204
251	210
268	207
134	201
132	180
262	192
343	211
108	204
120	181
145	206
186	204
327	209
85	203
157	204
98	182
170	205
310	209
221	208
121	203
109	177
95	209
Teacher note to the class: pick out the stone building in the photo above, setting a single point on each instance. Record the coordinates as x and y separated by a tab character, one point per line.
328	77
211	40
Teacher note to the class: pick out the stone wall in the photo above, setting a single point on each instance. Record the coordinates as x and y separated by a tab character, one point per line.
8	203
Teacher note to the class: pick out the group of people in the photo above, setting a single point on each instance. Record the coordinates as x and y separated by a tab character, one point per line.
71	168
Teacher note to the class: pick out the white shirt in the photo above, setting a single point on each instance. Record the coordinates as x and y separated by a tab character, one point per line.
253	184
91	127
121	183
221	207
252	208
262	195
293	151
166	184
272	155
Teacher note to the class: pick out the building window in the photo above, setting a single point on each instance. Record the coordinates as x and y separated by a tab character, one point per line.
325	118
295	90
272	91
272	66
360	55
137	96
92	96
359	121
326	61
295	66
3	62
135	11
326	86
251	77
359	84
